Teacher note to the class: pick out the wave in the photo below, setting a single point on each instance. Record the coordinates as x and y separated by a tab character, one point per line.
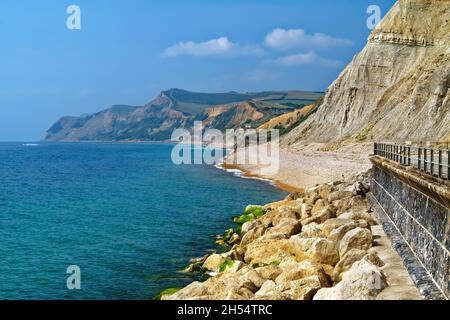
241	174
30	144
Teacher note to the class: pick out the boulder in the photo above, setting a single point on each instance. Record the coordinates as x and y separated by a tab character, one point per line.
359	214
331	224
194	291
318	206
295	196
319	250
302	270
267	288
312	198
373	258
338	195
363	281
236	253
338	233
239	294
346	263
266	251
254	277
312	230
358	238
269	291
311	190
356	202
269	272
305	210
286	226
285	213
267	219
237	265
274	205
303	289
326	213
213	262
358	188
324	191
252	235
273	236
234	239
246	227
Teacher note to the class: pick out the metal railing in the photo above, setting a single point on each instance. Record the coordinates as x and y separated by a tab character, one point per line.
432	161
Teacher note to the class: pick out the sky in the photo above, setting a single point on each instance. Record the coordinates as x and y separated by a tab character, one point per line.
126	52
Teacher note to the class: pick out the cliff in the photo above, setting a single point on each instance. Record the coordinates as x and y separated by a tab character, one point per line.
177	108
397	88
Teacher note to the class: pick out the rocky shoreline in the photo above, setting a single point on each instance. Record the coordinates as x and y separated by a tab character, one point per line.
322	244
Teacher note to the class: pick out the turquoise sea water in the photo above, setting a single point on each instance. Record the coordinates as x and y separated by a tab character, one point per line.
123	213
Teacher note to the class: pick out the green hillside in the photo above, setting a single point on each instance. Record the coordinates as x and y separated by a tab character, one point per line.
192	103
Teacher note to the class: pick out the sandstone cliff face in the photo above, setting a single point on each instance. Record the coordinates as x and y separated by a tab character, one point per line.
397	88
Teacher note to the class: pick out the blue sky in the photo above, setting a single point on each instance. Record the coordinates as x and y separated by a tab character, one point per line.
128	51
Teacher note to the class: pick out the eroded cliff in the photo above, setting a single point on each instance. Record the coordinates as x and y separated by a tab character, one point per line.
397	88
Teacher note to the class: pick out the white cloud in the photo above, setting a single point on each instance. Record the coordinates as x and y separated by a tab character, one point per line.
215	47
282	39
306	58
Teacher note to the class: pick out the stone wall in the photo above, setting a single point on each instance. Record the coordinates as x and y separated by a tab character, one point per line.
419	209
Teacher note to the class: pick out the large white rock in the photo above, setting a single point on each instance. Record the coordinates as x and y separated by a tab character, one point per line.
364	281
358	238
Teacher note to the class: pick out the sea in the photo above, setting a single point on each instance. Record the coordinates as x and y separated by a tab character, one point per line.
122	214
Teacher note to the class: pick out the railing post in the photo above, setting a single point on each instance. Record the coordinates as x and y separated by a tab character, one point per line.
402	150
419	160
396	153
425	160
409	155
404	155
440	163
432	161
401	154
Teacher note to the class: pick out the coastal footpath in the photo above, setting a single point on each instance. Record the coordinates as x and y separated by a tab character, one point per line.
323	244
